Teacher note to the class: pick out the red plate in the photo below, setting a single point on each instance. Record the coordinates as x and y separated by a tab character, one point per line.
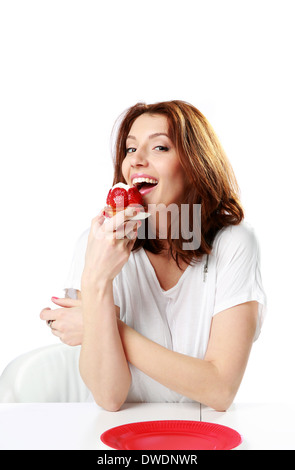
171	435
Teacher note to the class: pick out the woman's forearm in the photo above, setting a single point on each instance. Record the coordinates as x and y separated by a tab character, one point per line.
103	365
192	377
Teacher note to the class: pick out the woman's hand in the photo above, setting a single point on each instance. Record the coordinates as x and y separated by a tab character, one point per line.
67	321
110	242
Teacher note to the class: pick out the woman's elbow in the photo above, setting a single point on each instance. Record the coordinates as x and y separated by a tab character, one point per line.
222	404
109	404
112	407
110	399
221	399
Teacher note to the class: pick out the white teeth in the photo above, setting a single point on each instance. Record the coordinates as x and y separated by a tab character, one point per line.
144	180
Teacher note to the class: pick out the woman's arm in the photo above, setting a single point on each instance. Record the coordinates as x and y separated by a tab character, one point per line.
213	381
103	365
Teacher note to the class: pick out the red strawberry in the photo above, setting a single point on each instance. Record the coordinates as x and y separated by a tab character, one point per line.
109	202
134	196
117	197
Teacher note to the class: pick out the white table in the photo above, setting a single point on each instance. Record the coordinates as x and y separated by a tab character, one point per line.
79	425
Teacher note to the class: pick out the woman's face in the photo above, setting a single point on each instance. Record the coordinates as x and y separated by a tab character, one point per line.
151	154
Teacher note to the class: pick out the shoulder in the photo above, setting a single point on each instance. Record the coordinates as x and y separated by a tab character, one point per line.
241	234
235	240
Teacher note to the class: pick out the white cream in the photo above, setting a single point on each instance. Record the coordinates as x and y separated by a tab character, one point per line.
121	185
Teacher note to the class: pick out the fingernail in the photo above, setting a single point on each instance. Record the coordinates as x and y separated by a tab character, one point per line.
55	298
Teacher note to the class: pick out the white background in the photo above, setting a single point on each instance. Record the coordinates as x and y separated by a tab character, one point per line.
69	69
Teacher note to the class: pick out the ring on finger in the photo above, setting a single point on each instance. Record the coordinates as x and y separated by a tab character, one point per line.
49	323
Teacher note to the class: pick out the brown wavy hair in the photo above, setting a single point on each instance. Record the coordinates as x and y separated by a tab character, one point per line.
210	178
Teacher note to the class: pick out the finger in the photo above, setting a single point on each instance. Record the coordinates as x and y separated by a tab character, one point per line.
54	331
48	314
132	228
54	315
132	211
130	242
99	218
43	312
96	223
66	302
127	229
119	219
101	213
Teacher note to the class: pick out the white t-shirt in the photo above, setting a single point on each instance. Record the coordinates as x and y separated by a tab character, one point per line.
180	318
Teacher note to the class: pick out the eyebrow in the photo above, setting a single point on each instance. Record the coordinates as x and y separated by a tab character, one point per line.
157	134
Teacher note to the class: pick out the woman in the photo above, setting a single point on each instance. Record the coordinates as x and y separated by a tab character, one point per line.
162	322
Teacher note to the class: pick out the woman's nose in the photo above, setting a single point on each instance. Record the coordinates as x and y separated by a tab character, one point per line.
139	158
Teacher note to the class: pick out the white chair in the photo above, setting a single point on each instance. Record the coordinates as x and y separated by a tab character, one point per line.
47	374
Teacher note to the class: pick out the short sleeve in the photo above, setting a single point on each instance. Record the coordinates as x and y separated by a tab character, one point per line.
238	274
73	279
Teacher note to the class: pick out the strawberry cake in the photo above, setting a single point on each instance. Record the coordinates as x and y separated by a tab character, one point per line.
120	196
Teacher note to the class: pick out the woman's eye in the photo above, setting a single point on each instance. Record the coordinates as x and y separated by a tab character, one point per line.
165	149
130	150
160	147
